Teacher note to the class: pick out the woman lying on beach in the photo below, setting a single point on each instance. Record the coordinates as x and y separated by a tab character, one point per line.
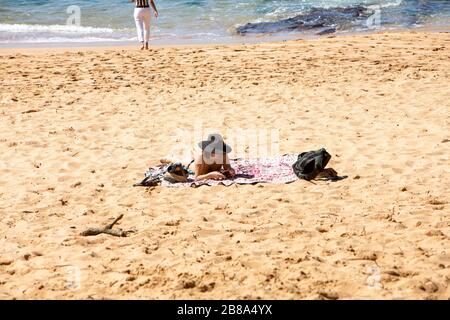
213	162
142	16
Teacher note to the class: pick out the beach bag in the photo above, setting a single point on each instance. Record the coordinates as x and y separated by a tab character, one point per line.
176	172
310	164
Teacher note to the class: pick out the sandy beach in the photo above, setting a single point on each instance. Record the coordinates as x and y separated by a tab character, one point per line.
79	126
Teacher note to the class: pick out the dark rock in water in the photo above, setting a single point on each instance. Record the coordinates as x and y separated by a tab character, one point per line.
326	31
328	19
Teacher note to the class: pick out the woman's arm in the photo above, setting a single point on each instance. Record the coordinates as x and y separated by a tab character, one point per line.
152	3
227	166
215	175
201	170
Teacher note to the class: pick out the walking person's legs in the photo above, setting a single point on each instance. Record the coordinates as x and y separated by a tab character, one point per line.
146	22
138	18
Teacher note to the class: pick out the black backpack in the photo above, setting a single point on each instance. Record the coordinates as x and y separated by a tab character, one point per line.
309	164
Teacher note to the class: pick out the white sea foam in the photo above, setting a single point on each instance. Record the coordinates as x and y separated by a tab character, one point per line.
35	33
16	28
65	40
393	3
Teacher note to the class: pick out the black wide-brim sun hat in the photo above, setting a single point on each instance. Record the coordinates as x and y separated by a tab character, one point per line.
215	142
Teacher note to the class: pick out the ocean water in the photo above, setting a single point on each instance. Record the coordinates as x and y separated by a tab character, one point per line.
184	21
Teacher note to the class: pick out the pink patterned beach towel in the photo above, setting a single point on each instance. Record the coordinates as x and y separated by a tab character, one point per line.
276	170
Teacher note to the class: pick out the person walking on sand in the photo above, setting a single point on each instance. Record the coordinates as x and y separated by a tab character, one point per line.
142	14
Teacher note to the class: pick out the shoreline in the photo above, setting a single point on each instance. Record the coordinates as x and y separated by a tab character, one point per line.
131	47
230	40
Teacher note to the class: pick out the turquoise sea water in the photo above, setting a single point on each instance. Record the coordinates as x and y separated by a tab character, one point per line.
37	21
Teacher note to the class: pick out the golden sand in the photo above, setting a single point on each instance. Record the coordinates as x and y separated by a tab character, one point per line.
80	126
